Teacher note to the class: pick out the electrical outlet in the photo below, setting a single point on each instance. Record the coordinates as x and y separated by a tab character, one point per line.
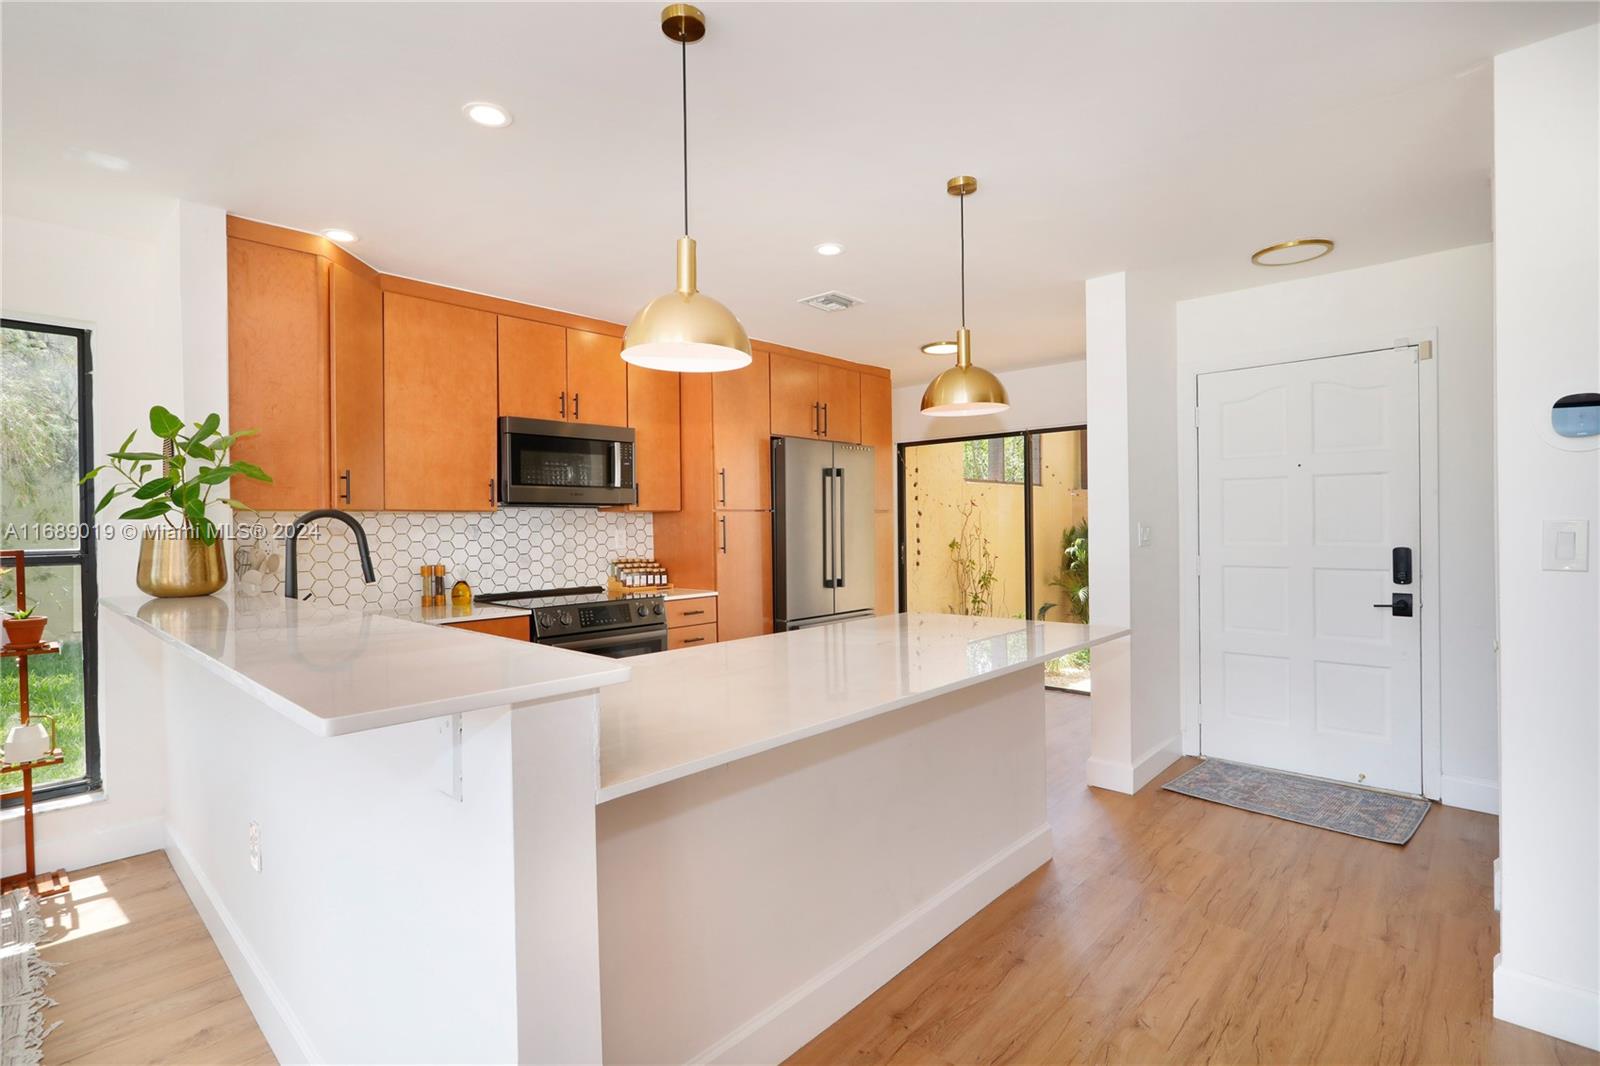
255	846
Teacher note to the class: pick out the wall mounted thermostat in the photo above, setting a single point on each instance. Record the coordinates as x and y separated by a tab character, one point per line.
1566	544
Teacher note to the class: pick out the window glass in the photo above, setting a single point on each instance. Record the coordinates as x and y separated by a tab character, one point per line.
38	440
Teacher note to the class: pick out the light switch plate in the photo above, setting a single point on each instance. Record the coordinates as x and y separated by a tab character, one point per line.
1142	535
1566	544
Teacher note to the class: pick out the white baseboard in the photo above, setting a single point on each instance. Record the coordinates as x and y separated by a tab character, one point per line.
784	1027
1473	793
1129	778
1563	1011
282	1029
69	840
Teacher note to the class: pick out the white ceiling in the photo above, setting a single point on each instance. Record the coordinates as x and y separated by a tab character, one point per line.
1105	136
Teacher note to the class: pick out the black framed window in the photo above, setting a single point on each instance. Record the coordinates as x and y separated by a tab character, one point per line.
1000	459
46	446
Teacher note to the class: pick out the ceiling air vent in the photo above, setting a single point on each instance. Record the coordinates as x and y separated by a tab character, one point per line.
831	301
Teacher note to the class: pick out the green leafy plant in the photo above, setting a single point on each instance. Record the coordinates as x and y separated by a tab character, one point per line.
974	564
176	488
26	612
1073	577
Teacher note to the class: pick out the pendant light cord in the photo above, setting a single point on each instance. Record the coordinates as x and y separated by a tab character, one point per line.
962	201
684	52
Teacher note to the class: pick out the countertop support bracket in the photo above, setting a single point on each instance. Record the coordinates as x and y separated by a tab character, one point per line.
451	787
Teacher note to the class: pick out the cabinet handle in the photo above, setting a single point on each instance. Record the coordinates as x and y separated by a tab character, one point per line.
574	406
826	421
563	403
691	614
491	494
695	640
723	474
345	495
816	419
724	520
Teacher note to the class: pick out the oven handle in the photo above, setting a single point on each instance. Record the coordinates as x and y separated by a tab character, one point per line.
608	640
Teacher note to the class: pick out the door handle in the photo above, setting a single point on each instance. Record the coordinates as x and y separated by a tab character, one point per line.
724	520
563	403
345	495
1399	603
723	474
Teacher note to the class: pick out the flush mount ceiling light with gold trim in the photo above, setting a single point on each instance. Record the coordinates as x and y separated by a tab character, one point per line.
963	390
1292	253
939	348
685	330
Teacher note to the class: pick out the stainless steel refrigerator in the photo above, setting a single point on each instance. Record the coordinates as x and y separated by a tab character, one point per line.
823	568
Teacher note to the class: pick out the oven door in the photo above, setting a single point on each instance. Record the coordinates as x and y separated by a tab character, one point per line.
566	463
615	645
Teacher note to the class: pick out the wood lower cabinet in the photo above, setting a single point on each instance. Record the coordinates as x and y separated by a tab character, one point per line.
696	611
877	430
532	366
796	404
744	573
515	628
888	575
741	437
439	406
355	343
653	414
689	636
278	373
839	392
597	379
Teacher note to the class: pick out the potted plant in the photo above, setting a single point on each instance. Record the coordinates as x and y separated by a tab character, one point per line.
183	555
24	628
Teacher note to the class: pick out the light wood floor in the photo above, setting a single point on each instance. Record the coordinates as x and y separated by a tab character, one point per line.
1166	929
1169	929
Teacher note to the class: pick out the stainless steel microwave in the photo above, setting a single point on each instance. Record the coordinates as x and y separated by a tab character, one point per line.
566	464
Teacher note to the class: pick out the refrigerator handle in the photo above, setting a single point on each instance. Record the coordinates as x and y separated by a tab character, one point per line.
827	527
838	515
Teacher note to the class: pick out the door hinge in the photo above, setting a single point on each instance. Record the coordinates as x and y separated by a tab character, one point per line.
1197	418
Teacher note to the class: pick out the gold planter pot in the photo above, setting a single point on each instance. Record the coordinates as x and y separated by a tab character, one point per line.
175	563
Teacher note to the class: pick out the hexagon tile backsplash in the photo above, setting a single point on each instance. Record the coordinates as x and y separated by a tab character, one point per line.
509	550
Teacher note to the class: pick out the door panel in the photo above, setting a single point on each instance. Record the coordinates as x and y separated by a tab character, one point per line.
1309	477
742	437
744	573
532	367
856	588
796	409
840	392
653	415
596	379
805	503
438	369
355	334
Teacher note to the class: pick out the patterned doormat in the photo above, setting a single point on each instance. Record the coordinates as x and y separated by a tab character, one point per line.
1360	812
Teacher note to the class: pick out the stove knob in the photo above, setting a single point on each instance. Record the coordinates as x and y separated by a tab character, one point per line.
656	609
547	619
566	618
643	610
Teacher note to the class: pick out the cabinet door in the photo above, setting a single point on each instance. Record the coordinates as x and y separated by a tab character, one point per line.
840	392
278	373
744	574
888	575
439	388
653	414
796	409
597	379
355	342
532	369
877	430
741	437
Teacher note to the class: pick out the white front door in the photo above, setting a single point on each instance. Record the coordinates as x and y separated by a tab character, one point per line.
1309	479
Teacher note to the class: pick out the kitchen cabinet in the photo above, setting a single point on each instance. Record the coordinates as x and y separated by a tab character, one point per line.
355	343
741	436
877	430
697	611
439	405
532	369
653	414
812	399
519	628
744	573
278	373
597	379
689	636
888	575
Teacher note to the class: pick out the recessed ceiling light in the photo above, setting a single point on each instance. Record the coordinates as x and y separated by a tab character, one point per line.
939	348
1290	253
340	236
486	114
829	248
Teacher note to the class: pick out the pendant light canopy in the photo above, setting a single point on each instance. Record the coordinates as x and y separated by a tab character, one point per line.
964	389
685	330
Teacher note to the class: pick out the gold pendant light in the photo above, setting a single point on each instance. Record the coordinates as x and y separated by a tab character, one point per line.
685	330
964	389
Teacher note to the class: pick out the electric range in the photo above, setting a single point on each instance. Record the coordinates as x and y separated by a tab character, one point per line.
588	619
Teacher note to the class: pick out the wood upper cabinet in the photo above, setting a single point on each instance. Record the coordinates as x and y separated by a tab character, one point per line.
532	369
741	437
278	373
440	402
355	342
653	414
839	391
796	403
744	573
877	430
597	379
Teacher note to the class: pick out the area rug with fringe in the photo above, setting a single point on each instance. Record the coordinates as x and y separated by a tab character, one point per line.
1359	812
22	977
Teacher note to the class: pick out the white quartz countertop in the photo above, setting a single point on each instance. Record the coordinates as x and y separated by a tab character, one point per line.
450	613
687	594
689	710
334	670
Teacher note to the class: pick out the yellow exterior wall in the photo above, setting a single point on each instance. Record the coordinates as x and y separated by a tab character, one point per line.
1060	502
935	493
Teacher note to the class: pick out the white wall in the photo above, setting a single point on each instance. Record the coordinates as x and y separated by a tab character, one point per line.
1447	295
1547	340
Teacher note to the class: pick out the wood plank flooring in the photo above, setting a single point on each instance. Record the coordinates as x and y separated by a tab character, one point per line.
1169	929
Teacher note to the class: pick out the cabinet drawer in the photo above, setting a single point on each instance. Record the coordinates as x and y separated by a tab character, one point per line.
515	628
693	612
689	636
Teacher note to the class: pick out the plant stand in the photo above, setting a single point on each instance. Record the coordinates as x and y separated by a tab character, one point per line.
55	882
